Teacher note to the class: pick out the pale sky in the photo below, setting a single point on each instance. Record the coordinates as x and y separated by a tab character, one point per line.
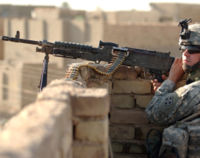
94	4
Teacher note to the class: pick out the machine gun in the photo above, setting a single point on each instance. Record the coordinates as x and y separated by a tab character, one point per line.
156	62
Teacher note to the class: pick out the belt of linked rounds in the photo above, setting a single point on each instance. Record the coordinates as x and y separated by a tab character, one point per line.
117	59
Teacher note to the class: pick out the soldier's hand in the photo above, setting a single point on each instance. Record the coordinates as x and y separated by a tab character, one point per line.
176	71
157	84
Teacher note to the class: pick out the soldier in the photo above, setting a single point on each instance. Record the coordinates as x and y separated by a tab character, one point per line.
177	107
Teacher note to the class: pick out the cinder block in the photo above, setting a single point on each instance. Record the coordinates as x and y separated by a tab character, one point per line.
86	150
128	117
91	102
132	86
122	132
92	131
143	100
122	101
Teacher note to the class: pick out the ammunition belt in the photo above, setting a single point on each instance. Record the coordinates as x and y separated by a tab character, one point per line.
116	61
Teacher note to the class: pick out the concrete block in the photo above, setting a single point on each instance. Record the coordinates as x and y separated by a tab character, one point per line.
85	150
122	101
91	102
137	149
92	131
122	132
132	86
143	100
125	155
128	117
117	147
95	83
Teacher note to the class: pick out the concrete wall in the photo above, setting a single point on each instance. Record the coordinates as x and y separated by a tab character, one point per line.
11	81
176	11
67	120
132	16
128	124
23	80
96	22
31	74
1	43
77	31
159	37
15	11
57	13
130	93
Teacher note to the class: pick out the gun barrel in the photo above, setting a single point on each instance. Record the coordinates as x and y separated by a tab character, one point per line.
19	40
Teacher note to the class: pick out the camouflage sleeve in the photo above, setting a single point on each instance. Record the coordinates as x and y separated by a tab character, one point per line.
169	106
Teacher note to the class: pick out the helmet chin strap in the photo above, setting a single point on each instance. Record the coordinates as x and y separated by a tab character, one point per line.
189	69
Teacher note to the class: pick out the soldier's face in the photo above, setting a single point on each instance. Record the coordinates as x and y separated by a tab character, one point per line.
190	59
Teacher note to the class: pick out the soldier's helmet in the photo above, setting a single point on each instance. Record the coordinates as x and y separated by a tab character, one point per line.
190	37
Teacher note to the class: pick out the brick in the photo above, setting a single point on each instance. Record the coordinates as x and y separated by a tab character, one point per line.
90	102
137	149
85	150
143	100
128	117
130	147
95	83
117	147
141	132
132	86
122	101
146	75
92	131
125	73
123	155
122	132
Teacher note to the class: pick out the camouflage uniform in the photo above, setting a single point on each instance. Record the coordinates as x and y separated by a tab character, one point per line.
168	107
173	107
